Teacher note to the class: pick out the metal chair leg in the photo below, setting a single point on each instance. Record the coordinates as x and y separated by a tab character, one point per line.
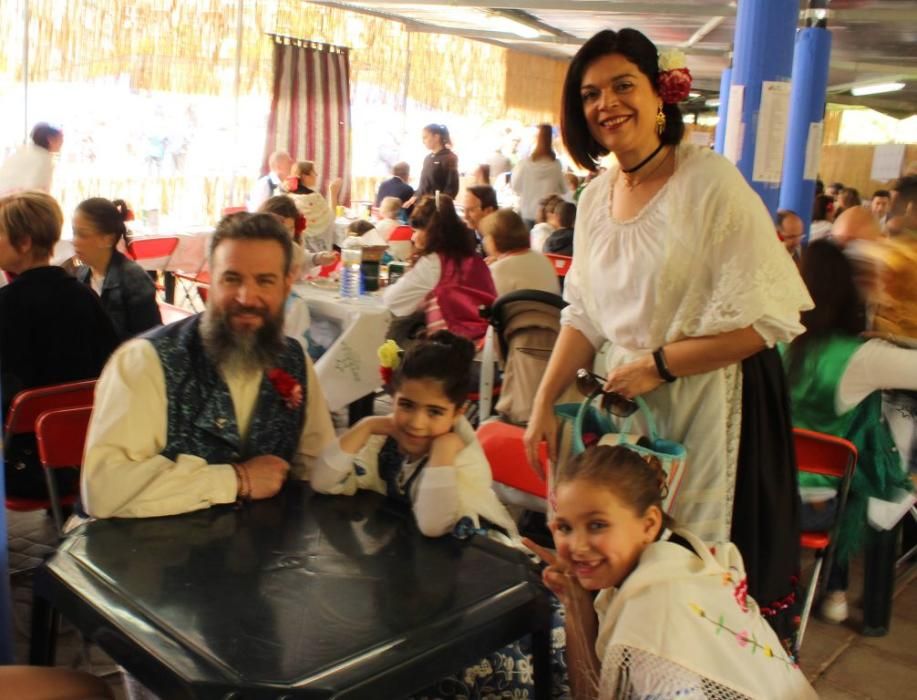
810	598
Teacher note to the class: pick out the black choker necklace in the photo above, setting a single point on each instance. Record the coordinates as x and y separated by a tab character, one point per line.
644	161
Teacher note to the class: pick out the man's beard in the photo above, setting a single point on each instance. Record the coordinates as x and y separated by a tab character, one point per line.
227	348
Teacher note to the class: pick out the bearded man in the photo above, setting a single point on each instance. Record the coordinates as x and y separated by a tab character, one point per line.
213	408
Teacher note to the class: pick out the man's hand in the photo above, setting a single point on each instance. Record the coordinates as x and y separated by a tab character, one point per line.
266	475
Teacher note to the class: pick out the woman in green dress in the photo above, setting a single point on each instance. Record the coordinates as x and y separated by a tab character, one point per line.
836	380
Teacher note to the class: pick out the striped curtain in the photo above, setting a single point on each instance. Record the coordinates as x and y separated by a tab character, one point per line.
310	109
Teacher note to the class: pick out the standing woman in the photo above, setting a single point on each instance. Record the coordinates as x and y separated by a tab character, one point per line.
128	294
538	175
440	167
677	265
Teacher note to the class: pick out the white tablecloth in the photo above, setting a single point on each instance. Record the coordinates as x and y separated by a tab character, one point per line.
349	369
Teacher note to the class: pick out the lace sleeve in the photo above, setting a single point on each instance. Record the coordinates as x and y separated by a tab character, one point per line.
629	672
727	262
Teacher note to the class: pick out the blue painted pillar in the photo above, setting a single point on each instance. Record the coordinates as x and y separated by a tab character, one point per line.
763	51
807	113
722	111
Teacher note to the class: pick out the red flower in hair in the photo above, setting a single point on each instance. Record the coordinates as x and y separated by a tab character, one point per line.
386	374
287	386
674	85
300	225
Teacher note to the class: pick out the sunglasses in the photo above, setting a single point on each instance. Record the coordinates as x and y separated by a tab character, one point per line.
589	384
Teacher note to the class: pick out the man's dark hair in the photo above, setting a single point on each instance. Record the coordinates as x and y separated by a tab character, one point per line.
637	49
402	170
837	186
906	187
881	193
566	214
42	133
244	226
486	195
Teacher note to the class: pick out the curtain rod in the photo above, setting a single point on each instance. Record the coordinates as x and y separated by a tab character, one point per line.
306	43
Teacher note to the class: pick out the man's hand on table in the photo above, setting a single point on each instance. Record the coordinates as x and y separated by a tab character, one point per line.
266	475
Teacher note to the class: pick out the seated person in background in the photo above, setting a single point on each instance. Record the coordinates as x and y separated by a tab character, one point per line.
397	185
573	187
389	210
478	201
613	538
902	217
282	207
425	453
216	407
52	328
878	205
128	294
319	213
449	281
278	163
562	219
836	378
362	233
542	229
790	230
513	264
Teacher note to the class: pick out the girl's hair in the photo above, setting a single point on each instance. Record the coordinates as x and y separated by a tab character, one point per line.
637	49
446	233
443	357
440	130
637	481
565	213
359	227
507	230
545	206
303	167
107	216
390	206
543	147
839	307
850	197
42	133
281	205
31	215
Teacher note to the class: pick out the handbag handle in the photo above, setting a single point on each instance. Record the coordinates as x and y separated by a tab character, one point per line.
579	446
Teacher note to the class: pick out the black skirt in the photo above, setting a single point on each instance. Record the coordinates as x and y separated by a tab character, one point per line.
765	519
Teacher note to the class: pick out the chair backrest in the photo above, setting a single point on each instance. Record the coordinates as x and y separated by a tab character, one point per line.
401	233
233	210
28	405
509	464
828	455
61	436
561	263
155	251
171	313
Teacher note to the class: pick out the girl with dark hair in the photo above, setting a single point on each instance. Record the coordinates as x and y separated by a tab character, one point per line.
440	167
836	378
128	294
538	175
676	265
31	167
449	280
821	217
671	619
425	453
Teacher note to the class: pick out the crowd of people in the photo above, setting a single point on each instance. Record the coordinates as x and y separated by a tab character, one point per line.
730	326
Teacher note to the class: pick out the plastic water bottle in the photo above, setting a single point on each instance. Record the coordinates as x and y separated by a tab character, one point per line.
351	283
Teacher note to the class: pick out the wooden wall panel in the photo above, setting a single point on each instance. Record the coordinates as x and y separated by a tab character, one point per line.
852	165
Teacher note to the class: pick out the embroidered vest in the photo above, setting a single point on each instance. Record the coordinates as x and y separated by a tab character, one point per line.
455	302
201	416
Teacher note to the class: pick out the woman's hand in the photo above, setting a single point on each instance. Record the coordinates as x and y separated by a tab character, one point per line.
542	426
328	257
634	378
409	203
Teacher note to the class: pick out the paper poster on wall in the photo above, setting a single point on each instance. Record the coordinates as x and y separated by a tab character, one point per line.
770	140
886	161
813	150
735	129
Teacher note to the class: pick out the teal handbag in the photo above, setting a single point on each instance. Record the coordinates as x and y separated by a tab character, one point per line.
592	425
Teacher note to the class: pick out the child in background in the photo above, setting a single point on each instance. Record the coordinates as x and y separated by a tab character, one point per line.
283	207
425	453
389	209
542	228
363	234
319	232
562	218
671	620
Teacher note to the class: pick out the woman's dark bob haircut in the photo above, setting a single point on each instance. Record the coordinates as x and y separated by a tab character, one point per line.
637	49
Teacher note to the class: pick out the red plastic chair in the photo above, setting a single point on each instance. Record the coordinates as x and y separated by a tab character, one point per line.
818	453
153	252
509	464
22	417
233	210
171	313
561	263
401	233
61	437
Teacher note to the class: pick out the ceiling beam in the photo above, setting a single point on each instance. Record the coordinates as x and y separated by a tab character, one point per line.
658	8
900	109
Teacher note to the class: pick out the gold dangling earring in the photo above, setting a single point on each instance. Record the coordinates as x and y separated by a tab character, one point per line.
660	121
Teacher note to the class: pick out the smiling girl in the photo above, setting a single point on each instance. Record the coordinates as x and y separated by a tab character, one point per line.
671	620
425	453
